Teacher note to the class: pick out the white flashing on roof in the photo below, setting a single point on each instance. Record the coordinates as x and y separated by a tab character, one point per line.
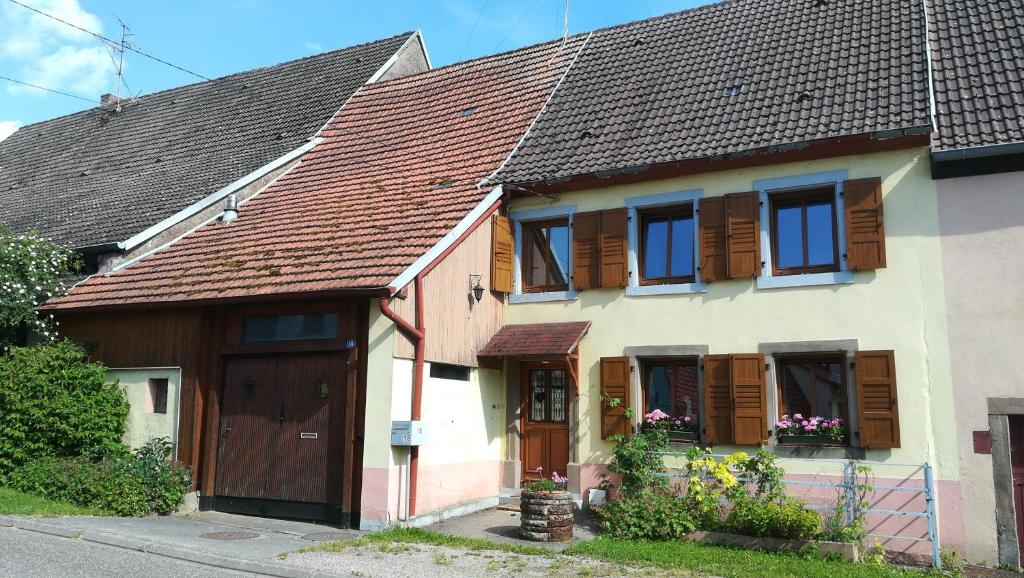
448	240
193	209
417	35
931	73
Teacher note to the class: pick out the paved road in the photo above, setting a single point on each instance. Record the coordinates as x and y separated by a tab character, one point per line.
31	554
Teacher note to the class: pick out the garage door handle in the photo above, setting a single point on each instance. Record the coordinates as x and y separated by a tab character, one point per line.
227	431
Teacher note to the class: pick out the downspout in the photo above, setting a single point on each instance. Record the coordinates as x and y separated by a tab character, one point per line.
416	335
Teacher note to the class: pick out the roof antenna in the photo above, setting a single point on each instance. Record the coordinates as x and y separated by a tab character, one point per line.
565	24
119	64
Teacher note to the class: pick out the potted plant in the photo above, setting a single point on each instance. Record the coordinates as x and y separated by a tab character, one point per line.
814	430
546	509
679	429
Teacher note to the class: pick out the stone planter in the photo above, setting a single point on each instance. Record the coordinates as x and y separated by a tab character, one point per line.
546	516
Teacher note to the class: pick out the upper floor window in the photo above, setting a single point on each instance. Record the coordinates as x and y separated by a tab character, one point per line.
666	241
804	232
546	255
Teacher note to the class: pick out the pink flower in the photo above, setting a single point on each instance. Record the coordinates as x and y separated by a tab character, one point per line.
687	418
655	416
797	416
540	470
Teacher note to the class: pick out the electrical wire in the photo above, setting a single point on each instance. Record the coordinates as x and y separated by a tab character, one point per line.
47	89
511	30
101	37
473	31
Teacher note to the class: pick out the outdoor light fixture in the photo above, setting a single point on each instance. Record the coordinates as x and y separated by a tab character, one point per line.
475	287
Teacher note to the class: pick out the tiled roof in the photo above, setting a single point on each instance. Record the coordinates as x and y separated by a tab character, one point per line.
978	59
535	339
398	168
731	77
98	177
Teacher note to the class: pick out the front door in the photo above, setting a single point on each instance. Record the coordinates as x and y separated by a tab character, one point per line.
276	428
1017	469
545	411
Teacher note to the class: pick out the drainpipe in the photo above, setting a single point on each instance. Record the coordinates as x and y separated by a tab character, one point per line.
417	336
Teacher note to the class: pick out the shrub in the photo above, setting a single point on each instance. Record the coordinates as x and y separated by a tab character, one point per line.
638	459
122	483
652	514
56	403
770	519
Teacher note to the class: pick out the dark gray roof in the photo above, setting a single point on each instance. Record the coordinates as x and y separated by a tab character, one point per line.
98	177
658	90
978	56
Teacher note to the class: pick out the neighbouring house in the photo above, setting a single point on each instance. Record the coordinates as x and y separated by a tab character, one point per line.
978	159
120	179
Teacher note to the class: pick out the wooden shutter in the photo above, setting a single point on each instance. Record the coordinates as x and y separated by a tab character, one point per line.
750	422
502	248
717	400
713	244
865	230
743	230
615	385
614	233
877	409
586	250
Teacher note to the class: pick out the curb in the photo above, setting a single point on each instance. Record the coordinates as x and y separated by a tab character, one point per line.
149	547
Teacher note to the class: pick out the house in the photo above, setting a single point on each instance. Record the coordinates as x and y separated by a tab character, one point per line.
119	179
978	161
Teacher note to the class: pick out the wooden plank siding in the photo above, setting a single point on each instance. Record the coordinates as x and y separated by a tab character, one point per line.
457	326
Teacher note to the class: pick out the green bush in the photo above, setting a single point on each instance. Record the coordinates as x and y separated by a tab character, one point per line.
652	514
785	519
55	403
122	483
638	460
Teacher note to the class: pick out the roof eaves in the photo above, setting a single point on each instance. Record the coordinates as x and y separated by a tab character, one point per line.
975	152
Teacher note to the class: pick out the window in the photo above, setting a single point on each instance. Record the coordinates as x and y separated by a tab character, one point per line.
547	401
803	231
266	328
546	255
666	238
671	386
447	371
813	385
158	395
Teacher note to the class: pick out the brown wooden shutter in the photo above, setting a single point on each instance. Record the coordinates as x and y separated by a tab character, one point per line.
502	248
713	244
586	250
749	397
614	234
865	230
615	385
743	230
717	400
877	408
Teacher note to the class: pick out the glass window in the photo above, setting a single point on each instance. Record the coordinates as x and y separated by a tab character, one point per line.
265	328
448	371
667	245
158	395
546	255
813	386
804	232
671	386
547	396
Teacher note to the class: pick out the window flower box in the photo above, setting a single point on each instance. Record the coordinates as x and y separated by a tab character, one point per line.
679	429
807	440
811	431
682	436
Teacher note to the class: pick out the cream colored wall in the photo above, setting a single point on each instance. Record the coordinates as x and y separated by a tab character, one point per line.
900	307
142	423
982	224
467	418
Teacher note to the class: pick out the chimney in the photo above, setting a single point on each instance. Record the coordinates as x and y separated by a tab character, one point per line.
109	99
230	209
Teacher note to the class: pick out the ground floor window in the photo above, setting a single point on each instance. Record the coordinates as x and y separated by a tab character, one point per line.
812	386
670	385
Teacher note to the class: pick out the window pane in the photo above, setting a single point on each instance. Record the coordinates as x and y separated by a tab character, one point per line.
659	393
536	274
655	245
560	253
683	382
819	234
830	400
557	393
682	248
290	327
790	243
814	388
797	390
538	397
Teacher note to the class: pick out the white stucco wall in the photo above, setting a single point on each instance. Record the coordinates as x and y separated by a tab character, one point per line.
143	424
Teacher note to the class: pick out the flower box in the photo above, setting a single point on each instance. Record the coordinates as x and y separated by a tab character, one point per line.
682	436
807	440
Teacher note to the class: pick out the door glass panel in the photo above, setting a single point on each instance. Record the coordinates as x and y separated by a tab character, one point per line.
819	234
790	237
557	396
538	396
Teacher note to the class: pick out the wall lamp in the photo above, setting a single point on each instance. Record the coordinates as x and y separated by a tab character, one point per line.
475	288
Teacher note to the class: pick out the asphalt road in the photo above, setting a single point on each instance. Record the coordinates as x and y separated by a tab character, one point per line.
31	554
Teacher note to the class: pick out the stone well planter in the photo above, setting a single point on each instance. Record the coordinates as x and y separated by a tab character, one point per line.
546	516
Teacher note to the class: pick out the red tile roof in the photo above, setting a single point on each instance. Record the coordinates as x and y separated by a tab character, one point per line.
397	170
536	339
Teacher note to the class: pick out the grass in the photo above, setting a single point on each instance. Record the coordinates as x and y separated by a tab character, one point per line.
405	536
21	504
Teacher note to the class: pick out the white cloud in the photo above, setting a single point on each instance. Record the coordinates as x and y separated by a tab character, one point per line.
7	128
52	54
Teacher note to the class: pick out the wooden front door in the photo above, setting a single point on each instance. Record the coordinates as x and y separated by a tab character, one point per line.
545	411
280	428
1017	470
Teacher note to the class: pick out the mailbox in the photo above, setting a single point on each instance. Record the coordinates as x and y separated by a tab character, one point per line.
409	433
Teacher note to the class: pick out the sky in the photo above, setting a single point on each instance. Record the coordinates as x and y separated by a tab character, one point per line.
219	37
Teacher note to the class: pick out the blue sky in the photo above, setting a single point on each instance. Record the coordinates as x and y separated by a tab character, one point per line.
218	37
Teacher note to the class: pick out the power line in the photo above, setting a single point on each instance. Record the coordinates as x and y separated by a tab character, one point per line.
473	31
511	30
101	37
47	89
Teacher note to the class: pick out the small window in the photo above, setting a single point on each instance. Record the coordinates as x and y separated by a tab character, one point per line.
670	385
813	386
266	328
666	239
546	255
547	401
804	237
158	394
448	371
